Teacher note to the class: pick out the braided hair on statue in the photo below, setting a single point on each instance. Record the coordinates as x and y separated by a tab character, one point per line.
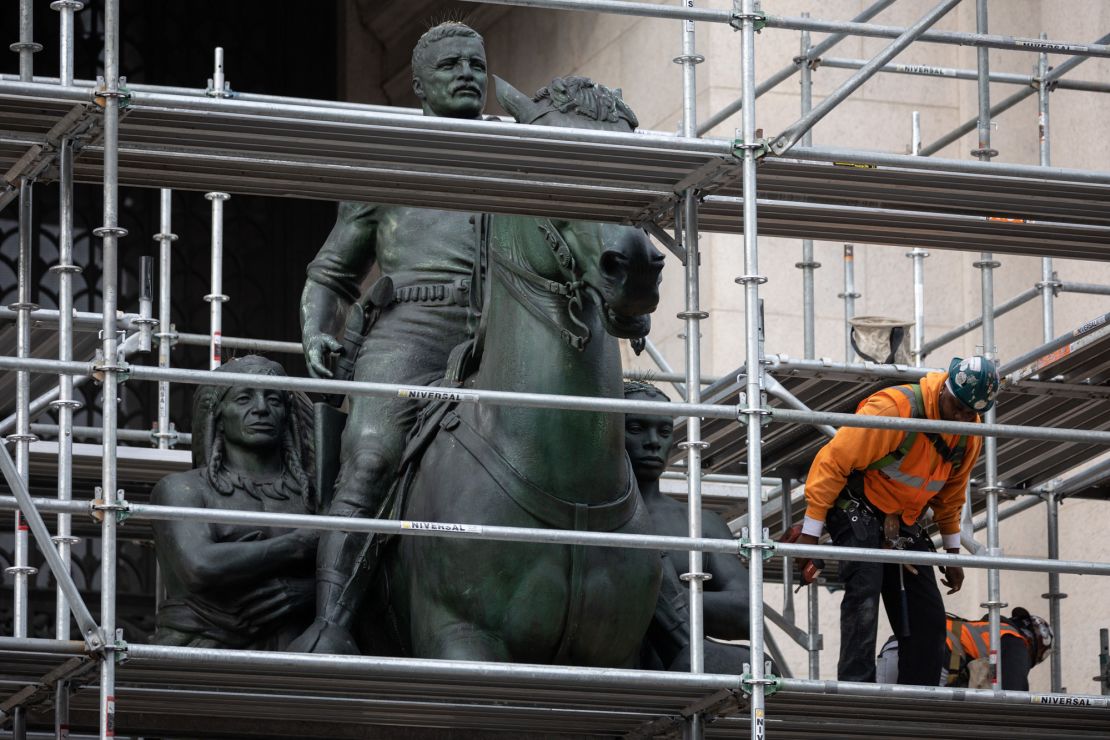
296	439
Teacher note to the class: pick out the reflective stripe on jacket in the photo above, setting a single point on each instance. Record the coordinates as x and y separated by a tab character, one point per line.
920	478
974	638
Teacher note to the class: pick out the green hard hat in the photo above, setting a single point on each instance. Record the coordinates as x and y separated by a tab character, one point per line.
974	381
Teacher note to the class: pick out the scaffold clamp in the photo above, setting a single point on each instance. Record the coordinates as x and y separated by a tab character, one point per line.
745	545
770	682
738	18
102	93
101	505
761	147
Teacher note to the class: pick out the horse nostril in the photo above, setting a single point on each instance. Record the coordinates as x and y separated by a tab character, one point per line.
613	263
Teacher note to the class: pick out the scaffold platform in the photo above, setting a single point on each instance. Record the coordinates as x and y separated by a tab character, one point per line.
227	696
193	142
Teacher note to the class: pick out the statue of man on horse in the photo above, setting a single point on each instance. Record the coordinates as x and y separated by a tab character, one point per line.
418	311
552	297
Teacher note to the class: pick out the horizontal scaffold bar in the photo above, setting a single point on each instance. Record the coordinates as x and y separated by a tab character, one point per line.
151	512
957	38
978	696
543	400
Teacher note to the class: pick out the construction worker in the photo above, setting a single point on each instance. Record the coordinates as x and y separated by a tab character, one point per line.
870	487
1026	640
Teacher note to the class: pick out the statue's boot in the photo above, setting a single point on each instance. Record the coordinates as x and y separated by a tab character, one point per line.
340	560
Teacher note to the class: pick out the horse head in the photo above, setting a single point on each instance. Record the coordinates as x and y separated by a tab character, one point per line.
618	264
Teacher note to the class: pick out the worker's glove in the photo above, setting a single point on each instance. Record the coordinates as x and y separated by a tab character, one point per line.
810	568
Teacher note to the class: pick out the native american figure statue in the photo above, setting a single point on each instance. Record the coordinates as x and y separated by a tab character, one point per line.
240	586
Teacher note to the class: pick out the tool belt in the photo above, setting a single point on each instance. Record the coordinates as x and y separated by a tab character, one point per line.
456	293
863	515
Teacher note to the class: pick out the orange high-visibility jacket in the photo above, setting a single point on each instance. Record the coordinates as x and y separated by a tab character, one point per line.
975	637
921	478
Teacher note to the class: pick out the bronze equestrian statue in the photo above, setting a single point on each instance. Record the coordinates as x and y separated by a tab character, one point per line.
558	293
234	585
418	313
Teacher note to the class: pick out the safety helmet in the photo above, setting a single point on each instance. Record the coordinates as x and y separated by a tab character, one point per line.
1036	630
973	381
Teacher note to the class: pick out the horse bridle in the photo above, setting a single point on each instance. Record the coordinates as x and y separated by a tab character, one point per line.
578	335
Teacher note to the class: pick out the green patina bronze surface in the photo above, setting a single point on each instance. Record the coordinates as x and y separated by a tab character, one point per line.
471	599
648	441
239	586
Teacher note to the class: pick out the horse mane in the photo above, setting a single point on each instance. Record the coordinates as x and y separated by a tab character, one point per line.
584	97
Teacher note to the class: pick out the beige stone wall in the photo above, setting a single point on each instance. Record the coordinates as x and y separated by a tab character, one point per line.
529	46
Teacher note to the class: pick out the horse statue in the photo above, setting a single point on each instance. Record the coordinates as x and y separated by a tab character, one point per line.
558	294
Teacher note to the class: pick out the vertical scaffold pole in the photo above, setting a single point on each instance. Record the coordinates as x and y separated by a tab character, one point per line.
807	265
1052	502
216	298
849	295
692	315
26	46
110	232
753	405
21	570
1048	286
1048	282
65	403
986	264
165	238
918	256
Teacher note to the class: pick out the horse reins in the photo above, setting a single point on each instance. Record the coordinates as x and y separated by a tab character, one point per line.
571	290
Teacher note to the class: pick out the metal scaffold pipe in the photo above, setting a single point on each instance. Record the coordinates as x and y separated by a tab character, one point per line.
927	70
692	316
579	403
1009	102
165	238
808	265
752	404
789	70
957	38
21	569
784	141
65	404
849	295
216	297
110	232
984	152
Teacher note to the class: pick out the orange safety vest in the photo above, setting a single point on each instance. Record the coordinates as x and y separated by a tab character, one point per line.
908	477
974	638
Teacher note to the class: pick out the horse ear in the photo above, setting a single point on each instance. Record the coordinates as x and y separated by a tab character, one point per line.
518	105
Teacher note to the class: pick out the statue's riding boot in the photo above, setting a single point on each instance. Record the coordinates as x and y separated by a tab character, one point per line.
341	557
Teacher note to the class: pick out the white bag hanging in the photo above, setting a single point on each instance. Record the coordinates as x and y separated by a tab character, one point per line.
881	339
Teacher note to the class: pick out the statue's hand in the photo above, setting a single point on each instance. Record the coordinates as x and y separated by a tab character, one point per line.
317	347
326	637
275	599
304	542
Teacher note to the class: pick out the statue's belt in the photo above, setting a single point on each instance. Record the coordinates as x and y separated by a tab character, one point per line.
456	293
549	509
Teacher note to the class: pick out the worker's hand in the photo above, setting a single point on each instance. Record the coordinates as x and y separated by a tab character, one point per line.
317	347
810	569
953	575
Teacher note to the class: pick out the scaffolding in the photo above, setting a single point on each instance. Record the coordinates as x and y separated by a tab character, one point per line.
105	133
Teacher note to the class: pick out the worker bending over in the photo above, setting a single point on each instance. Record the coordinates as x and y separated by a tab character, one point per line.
1026	640
870	487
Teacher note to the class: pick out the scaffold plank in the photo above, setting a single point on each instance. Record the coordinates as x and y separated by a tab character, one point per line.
283	150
